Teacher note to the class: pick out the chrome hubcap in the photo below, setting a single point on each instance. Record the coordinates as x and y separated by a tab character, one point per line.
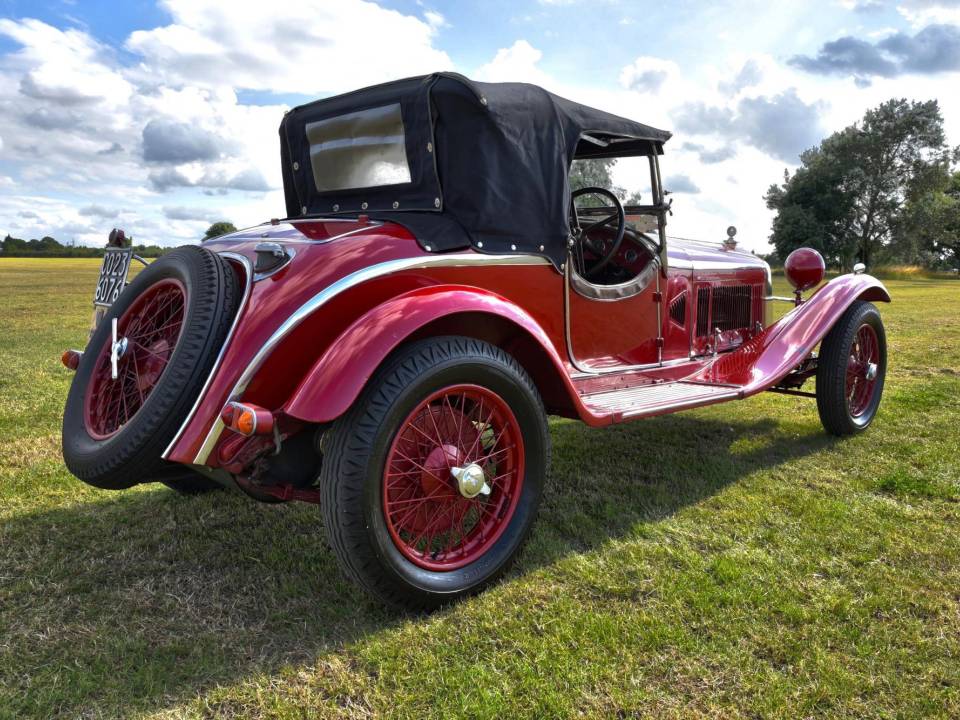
470	480
871	371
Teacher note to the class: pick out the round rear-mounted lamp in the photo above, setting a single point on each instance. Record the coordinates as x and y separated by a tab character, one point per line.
804	268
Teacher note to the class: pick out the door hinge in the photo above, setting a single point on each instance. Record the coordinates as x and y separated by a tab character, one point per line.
658	296
659	342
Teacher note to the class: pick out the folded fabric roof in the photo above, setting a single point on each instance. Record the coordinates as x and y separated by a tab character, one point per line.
458	162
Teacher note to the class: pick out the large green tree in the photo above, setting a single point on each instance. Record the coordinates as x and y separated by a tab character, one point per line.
929	229
848	197
219	228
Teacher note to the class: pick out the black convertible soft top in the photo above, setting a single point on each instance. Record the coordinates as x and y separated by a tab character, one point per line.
457	162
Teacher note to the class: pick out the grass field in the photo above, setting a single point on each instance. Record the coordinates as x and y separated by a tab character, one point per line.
728	562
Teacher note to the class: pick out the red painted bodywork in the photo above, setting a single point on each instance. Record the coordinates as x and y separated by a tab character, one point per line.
324	358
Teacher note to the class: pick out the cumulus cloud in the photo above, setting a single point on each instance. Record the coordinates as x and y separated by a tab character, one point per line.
98	211
782	125
648	74
749	75
435	20
305	46
166	141
680	184
248	179
190	213
934	49
917	12
515	63
710	156
67	67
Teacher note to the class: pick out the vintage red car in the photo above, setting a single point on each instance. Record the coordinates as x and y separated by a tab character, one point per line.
391	349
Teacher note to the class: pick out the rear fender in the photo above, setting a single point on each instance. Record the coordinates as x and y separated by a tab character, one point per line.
340	374
769	357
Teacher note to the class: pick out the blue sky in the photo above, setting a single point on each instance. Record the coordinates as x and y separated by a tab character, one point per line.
161	117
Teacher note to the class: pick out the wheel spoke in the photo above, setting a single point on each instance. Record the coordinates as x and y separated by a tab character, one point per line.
430	521
156	314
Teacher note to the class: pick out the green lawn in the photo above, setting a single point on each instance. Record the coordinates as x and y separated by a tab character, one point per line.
727	562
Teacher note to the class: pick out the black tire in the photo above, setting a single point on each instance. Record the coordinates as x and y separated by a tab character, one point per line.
835	410
355	452
132	454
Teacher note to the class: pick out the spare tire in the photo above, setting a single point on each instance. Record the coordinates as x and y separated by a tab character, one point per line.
172	321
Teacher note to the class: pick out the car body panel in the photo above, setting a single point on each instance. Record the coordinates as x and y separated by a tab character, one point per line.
341	373
767	358
310	335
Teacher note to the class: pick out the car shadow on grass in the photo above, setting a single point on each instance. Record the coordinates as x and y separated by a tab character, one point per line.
144	599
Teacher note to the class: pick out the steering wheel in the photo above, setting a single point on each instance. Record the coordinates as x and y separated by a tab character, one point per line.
583	232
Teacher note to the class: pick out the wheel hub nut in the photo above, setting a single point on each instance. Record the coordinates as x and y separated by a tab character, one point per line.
470	480
871	373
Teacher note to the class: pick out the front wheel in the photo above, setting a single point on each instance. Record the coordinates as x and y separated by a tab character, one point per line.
851	370
432	480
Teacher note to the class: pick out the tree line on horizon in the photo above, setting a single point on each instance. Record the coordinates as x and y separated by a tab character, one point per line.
50	247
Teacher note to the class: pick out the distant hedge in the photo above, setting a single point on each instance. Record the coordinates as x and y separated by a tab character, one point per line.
49	247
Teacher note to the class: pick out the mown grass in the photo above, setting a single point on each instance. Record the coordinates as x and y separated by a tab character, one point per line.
728	562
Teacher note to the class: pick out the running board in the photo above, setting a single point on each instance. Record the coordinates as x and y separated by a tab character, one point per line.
656	399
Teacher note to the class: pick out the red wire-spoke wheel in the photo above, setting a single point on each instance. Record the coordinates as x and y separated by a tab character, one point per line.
172	320
851	369
862	370
453	476
147	334
432	479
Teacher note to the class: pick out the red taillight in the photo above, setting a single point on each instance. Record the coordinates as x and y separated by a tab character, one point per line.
247	419
71	359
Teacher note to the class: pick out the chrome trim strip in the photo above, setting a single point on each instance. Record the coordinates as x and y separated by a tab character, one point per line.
302	241
248	270
612	293
342	285
682	264
695	402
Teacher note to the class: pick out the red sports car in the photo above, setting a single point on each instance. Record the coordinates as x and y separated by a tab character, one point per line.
391	349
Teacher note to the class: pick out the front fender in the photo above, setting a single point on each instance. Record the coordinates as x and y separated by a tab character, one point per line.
768	358
340	374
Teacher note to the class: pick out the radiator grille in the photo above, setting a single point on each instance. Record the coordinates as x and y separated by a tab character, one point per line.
731	307
703	312
725	307
678	309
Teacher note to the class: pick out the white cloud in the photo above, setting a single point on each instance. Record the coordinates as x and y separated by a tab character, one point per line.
435	20
517	63
648	74
923	12
98	131
64	67
302	46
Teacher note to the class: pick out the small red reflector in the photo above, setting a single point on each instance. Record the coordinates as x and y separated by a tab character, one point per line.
71	359
247	419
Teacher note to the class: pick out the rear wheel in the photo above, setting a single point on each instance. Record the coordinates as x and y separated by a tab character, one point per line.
851	370
432	480
171	322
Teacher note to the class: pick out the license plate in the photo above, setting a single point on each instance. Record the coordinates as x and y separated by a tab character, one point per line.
113	278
